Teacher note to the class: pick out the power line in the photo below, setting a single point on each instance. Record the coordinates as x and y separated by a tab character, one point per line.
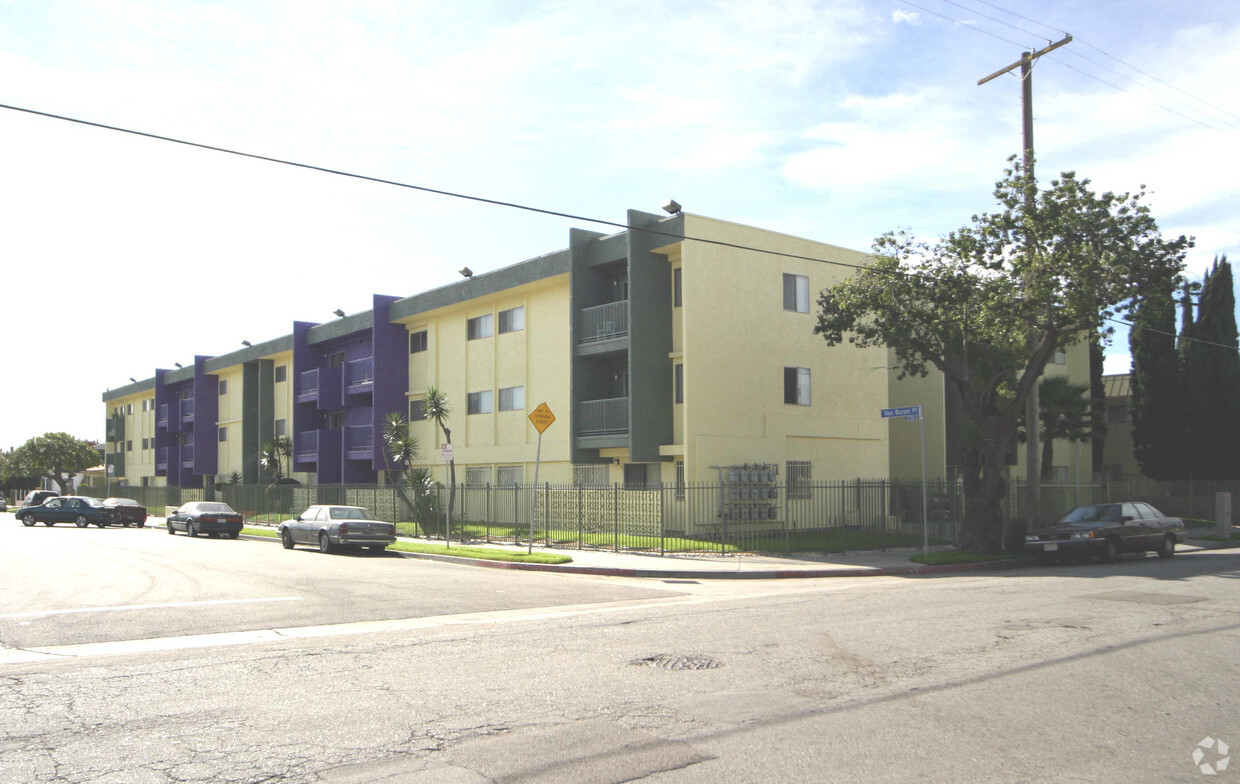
481	199
1185	338
425	189
965	24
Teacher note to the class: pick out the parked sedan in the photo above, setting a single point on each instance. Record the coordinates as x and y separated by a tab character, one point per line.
131	511
1107	530
329	527
206	517
75	509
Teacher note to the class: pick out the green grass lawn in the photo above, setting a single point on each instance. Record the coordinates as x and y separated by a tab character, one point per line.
460	551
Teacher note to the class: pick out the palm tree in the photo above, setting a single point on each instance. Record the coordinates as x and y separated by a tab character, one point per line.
402	447
1065	414
435	403
274	457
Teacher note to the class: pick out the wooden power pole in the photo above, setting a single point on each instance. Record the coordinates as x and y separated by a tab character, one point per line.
1033	412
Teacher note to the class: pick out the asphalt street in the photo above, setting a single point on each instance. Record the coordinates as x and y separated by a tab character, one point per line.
382	669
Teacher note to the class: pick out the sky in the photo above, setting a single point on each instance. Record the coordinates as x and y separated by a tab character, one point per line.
836	121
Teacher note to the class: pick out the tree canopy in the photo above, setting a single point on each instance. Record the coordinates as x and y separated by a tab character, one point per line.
55	456
989	305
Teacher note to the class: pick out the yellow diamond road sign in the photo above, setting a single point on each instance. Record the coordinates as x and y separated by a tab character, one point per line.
542	418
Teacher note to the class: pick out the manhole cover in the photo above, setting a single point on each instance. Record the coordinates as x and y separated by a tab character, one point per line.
669	661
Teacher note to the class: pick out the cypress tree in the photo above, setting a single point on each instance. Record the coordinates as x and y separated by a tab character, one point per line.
1155	387
1211	375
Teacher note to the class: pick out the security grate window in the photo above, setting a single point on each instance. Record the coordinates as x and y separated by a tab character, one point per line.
478	476
590	475
507	476
798	473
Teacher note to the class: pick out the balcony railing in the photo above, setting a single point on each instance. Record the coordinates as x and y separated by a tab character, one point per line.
603	417
187	454
308	386
161	416
359	442
187	409
161	459
306	446
359	374
603	322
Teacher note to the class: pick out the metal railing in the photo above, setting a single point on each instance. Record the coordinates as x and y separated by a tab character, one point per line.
359	441
360	372
603	417
603	322
307	385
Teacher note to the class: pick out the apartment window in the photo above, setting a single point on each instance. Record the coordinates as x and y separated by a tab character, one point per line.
635	476
144	444
797	472
128	446
507	476
1059	358
223	434
417	410
796	386
335	360
335	420
680	480
679	394
479	327
223	386
512	399
417	342
480	402
478	476
796	293
281	373
590	475
676	287
130	411
281	427
512	320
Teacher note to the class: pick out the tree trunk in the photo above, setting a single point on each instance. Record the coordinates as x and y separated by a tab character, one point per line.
1048	459
447	534
985	487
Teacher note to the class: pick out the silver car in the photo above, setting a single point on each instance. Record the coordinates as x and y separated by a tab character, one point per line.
330	527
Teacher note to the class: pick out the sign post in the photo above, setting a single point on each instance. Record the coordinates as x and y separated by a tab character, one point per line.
445	452
542	419
911	413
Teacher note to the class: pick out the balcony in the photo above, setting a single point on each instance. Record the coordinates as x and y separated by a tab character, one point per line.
187	454
359	375
161	459
187	409
603	417
161	416
359	442
603	322
306	447
308	386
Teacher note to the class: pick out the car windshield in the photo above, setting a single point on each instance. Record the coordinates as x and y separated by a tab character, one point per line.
122	502
349	513
210	507
1098	513
93	502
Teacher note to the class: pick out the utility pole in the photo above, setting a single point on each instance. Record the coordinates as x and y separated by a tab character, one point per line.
1032	407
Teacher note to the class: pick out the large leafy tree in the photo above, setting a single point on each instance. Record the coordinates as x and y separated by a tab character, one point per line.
1211	369
1156	389
989	305
56	456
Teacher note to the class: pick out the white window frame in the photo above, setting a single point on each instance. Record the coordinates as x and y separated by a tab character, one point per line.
802	391
515	318
512	399
479	327
796	293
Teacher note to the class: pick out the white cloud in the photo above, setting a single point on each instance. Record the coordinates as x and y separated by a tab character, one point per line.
909	17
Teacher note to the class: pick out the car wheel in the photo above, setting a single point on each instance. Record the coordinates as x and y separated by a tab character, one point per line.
286	539
82	522
142	524
377	548
1112	549
233	534
191	529
171	530
1166	548
27	520
325	543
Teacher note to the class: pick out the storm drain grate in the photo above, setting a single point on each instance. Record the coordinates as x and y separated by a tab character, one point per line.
669	661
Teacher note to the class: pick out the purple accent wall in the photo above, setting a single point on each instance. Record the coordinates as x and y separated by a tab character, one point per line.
391	359
306	416
206	414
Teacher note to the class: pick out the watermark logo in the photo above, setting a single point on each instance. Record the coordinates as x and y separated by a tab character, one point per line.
1215	749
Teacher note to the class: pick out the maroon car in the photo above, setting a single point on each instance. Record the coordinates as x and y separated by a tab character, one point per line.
131	512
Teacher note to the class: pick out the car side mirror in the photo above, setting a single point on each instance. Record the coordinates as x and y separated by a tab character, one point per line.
1125	519
297	518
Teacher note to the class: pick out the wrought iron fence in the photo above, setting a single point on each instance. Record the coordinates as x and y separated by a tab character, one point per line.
808	516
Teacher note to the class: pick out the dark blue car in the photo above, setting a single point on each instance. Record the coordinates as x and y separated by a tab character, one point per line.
79	510
206	517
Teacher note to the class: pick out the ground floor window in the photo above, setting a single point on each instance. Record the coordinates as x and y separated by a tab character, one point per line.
590	475
798	476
